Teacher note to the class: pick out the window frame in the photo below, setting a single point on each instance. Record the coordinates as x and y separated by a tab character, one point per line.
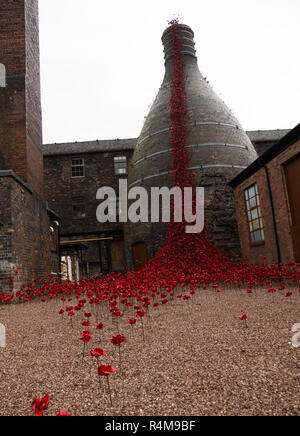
254	215
119	165
77	166
80	201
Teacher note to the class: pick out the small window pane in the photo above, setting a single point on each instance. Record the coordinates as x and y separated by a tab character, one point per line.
256	224
79	209
253	202
120	165
254	214
251	192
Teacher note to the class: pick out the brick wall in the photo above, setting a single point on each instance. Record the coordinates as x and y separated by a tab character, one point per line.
25	242
258	253
61	189
20	109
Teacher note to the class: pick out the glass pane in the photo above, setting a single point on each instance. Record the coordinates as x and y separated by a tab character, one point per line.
258	200
248	205
254	214
249	216
257	236
259	211
79	211
256	189
251	192
251	227
255	224
261	223
262	235
252	202
246	194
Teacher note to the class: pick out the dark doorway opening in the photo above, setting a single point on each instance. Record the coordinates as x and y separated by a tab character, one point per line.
292	174
140	256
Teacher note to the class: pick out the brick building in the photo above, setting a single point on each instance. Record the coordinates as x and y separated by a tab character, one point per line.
28	241
73	172
267	202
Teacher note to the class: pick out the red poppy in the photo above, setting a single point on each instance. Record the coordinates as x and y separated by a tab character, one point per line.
63	413
40	405
99	326
98	352
244	317
86	338
106	370
118	339
132	321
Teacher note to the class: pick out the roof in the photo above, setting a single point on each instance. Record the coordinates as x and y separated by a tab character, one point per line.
267	135
129	144
89	146
290	138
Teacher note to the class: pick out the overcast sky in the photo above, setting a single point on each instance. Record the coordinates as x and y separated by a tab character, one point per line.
102	62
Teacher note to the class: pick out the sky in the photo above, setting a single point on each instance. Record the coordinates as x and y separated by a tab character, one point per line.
102	62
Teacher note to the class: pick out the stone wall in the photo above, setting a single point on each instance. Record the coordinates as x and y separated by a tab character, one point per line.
25	237
61	189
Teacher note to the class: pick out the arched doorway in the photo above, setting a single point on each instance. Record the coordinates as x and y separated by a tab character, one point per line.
140	256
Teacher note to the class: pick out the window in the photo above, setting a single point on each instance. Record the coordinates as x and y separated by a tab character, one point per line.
78	208
254	214
77	168
120	165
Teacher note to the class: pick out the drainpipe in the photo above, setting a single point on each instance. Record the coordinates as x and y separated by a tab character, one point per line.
273	215
58	247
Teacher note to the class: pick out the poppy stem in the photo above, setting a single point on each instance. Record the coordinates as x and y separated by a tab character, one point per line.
120	356
109	390
143	329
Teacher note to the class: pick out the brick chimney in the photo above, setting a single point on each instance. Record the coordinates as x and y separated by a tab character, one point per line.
20	107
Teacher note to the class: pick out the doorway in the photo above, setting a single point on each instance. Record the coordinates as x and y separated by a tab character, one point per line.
140	256
292	174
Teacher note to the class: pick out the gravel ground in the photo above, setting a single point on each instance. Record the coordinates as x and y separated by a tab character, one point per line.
198	359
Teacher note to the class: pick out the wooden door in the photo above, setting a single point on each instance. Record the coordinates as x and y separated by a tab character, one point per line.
140	256
118	255
292	177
